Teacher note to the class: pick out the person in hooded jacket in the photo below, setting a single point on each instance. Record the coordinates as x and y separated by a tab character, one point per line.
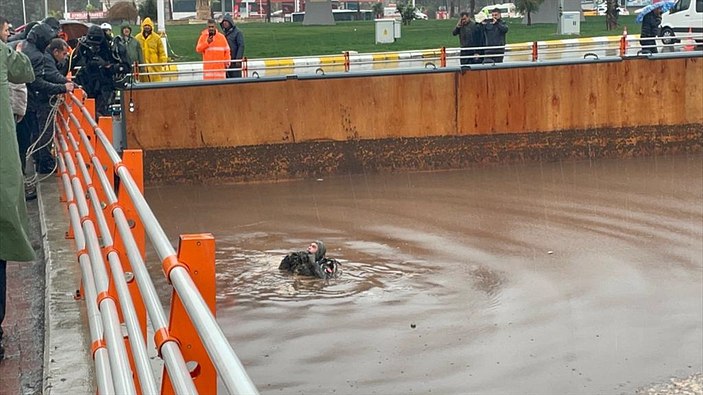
153	51
39	92
15	245
127	47
311	262
97	68
235	40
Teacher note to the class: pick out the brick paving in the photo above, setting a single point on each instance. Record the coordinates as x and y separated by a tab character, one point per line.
22	369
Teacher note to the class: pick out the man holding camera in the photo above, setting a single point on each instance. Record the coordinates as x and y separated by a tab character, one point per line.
470	36
494	31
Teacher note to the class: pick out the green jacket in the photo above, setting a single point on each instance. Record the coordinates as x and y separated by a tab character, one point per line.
15	67
128	49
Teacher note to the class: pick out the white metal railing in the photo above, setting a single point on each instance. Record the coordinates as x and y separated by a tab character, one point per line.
112	366
351	61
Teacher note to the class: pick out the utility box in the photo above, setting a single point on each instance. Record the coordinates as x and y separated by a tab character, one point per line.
385	31
396	28
570	22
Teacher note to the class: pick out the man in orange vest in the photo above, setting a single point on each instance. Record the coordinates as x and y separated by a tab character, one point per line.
215	50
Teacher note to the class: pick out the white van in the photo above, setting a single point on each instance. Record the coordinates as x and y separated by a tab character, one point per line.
684	15
507	10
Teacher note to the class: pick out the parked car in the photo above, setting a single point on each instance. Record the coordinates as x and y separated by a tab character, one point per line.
603	8
420	15
684	16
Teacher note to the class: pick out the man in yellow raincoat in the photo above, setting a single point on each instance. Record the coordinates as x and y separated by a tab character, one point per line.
15	67
153	50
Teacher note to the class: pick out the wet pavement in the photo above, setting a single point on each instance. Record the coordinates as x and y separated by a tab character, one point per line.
21	370
566	277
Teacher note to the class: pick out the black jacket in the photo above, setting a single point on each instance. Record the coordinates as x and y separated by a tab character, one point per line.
494	33
650	25
39	91
51	70
470	35
235	38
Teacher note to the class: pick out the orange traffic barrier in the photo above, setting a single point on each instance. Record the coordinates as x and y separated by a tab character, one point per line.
690	42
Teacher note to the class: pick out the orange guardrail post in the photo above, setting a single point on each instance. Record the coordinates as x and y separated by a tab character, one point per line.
245	67
197	252
443	57
535	53
133	161
623	43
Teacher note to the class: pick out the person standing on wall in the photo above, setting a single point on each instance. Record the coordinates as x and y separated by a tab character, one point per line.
153	51
213	46
470	36
16	68
235	40
494	31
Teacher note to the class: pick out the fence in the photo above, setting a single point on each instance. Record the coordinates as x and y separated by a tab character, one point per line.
109	222
350	61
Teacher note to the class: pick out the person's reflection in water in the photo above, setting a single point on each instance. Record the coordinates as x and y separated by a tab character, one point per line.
311	262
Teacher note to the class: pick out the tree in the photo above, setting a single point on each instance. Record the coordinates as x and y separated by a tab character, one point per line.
148	9
528	7
88	9
377	9
611	14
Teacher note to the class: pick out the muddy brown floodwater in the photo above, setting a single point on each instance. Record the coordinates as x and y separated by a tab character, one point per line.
551	278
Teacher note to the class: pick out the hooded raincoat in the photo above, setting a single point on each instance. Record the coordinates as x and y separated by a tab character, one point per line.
153	51
14	240
215	55
235	39
307	264
128	48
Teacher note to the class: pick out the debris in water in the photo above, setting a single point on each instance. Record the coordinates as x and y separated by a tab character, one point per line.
413	326
550	252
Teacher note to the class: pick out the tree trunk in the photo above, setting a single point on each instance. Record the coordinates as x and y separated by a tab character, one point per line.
529	18
472	8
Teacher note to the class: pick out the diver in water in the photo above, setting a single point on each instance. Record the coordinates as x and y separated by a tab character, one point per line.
311	262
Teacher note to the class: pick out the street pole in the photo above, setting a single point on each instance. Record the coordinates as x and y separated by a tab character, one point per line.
161	16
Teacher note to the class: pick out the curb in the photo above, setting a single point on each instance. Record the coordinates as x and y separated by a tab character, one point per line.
68	368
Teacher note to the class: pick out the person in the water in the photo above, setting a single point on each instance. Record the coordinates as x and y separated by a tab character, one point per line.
311	262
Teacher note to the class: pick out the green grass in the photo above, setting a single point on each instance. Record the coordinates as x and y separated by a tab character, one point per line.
267	40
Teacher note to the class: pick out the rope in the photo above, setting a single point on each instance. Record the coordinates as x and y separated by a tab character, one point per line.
54	102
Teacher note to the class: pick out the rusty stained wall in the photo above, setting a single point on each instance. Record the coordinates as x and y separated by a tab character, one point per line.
293	111
298	128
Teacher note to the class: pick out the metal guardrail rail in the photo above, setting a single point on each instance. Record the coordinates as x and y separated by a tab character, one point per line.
101	187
